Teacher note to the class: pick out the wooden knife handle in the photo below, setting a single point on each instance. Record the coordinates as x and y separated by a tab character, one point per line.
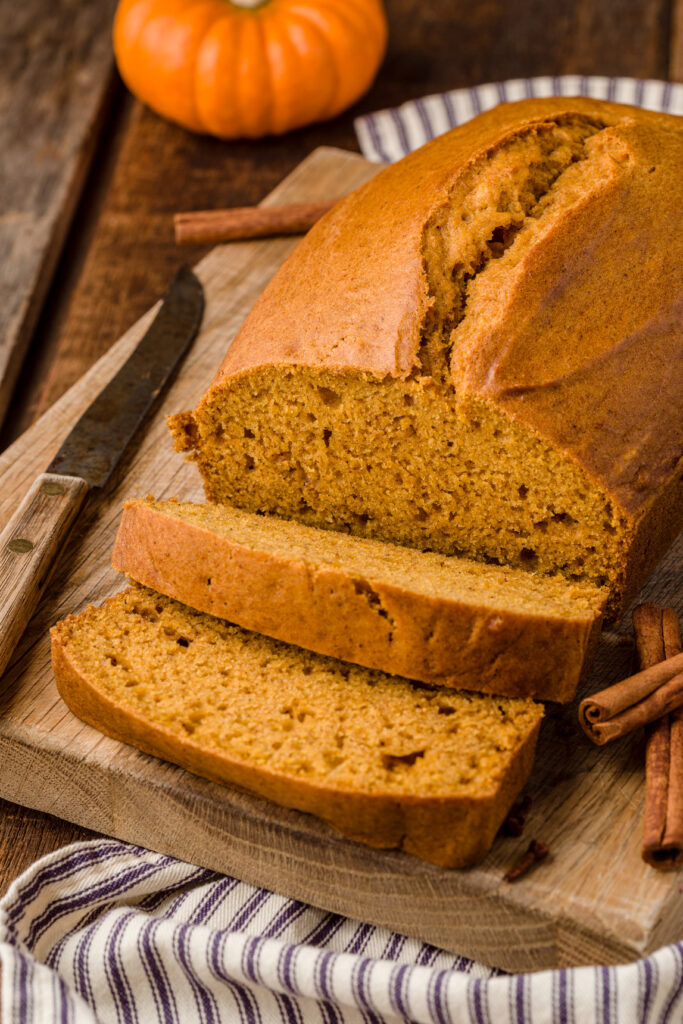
29	548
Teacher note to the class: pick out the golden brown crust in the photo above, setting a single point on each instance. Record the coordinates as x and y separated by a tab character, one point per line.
588	319
370	621
452	832
575	334
653	535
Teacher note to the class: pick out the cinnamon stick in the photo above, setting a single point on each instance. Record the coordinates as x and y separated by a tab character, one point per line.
658	636
243	222
634	702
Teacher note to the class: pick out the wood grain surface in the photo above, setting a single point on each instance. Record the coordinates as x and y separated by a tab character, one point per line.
56	79
593	900
676	42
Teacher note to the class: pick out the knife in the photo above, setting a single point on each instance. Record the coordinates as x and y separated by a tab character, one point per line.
31	541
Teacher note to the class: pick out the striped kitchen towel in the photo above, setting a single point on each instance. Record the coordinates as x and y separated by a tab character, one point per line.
389	134
105	932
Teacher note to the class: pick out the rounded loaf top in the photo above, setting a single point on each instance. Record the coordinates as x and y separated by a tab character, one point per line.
530	257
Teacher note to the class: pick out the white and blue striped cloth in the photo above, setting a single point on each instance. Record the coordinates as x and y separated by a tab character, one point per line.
105	932
389	134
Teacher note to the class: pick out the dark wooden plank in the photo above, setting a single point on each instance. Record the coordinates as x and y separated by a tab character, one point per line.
457	44
56	76
120	253
676	46
27	835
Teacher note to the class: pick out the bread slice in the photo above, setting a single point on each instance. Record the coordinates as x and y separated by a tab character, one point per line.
447	621
385	761
477	352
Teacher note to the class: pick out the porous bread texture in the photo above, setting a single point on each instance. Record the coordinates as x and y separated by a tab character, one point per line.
385	761
442	620
478	352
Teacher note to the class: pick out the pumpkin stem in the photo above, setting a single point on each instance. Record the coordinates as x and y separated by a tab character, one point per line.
251	4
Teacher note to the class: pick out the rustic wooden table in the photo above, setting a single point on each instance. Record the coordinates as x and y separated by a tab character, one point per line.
89	180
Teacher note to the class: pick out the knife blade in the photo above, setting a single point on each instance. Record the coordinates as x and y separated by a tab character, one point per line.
30	543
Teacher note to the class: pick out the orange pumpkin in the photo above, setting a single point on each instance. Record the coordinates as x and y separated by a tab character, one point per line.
237	68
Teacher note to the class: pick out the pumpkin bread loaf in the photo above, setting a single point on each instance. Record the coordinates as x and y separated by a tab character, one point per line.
385	761
439	619
477	352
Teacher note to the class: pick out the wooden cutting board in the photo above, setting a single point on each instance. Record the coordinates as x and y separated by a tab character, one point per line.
592	901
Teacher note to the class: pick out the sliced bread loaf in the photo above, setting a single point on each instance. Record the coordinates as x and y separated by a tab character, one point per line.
479	351
387	762
444	620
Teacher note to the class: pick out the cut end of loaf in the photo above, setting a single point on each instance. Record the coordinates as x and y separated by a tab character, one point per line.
429	469
385	761
427	573
439	619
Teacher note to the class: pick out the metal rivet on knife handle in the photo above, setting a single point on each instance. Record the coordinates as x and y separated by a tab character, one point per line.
52	488
19	546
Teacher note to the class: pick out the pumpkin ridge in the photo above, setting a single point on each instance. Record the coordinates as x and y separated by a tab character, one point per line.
226	23
187	12
331	12
258	25
265	25
201	119
374	18
357	18
332	92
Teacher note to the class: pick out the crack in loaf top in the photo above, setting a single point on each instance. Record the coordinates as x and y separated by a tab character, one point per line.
569	300
355	293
